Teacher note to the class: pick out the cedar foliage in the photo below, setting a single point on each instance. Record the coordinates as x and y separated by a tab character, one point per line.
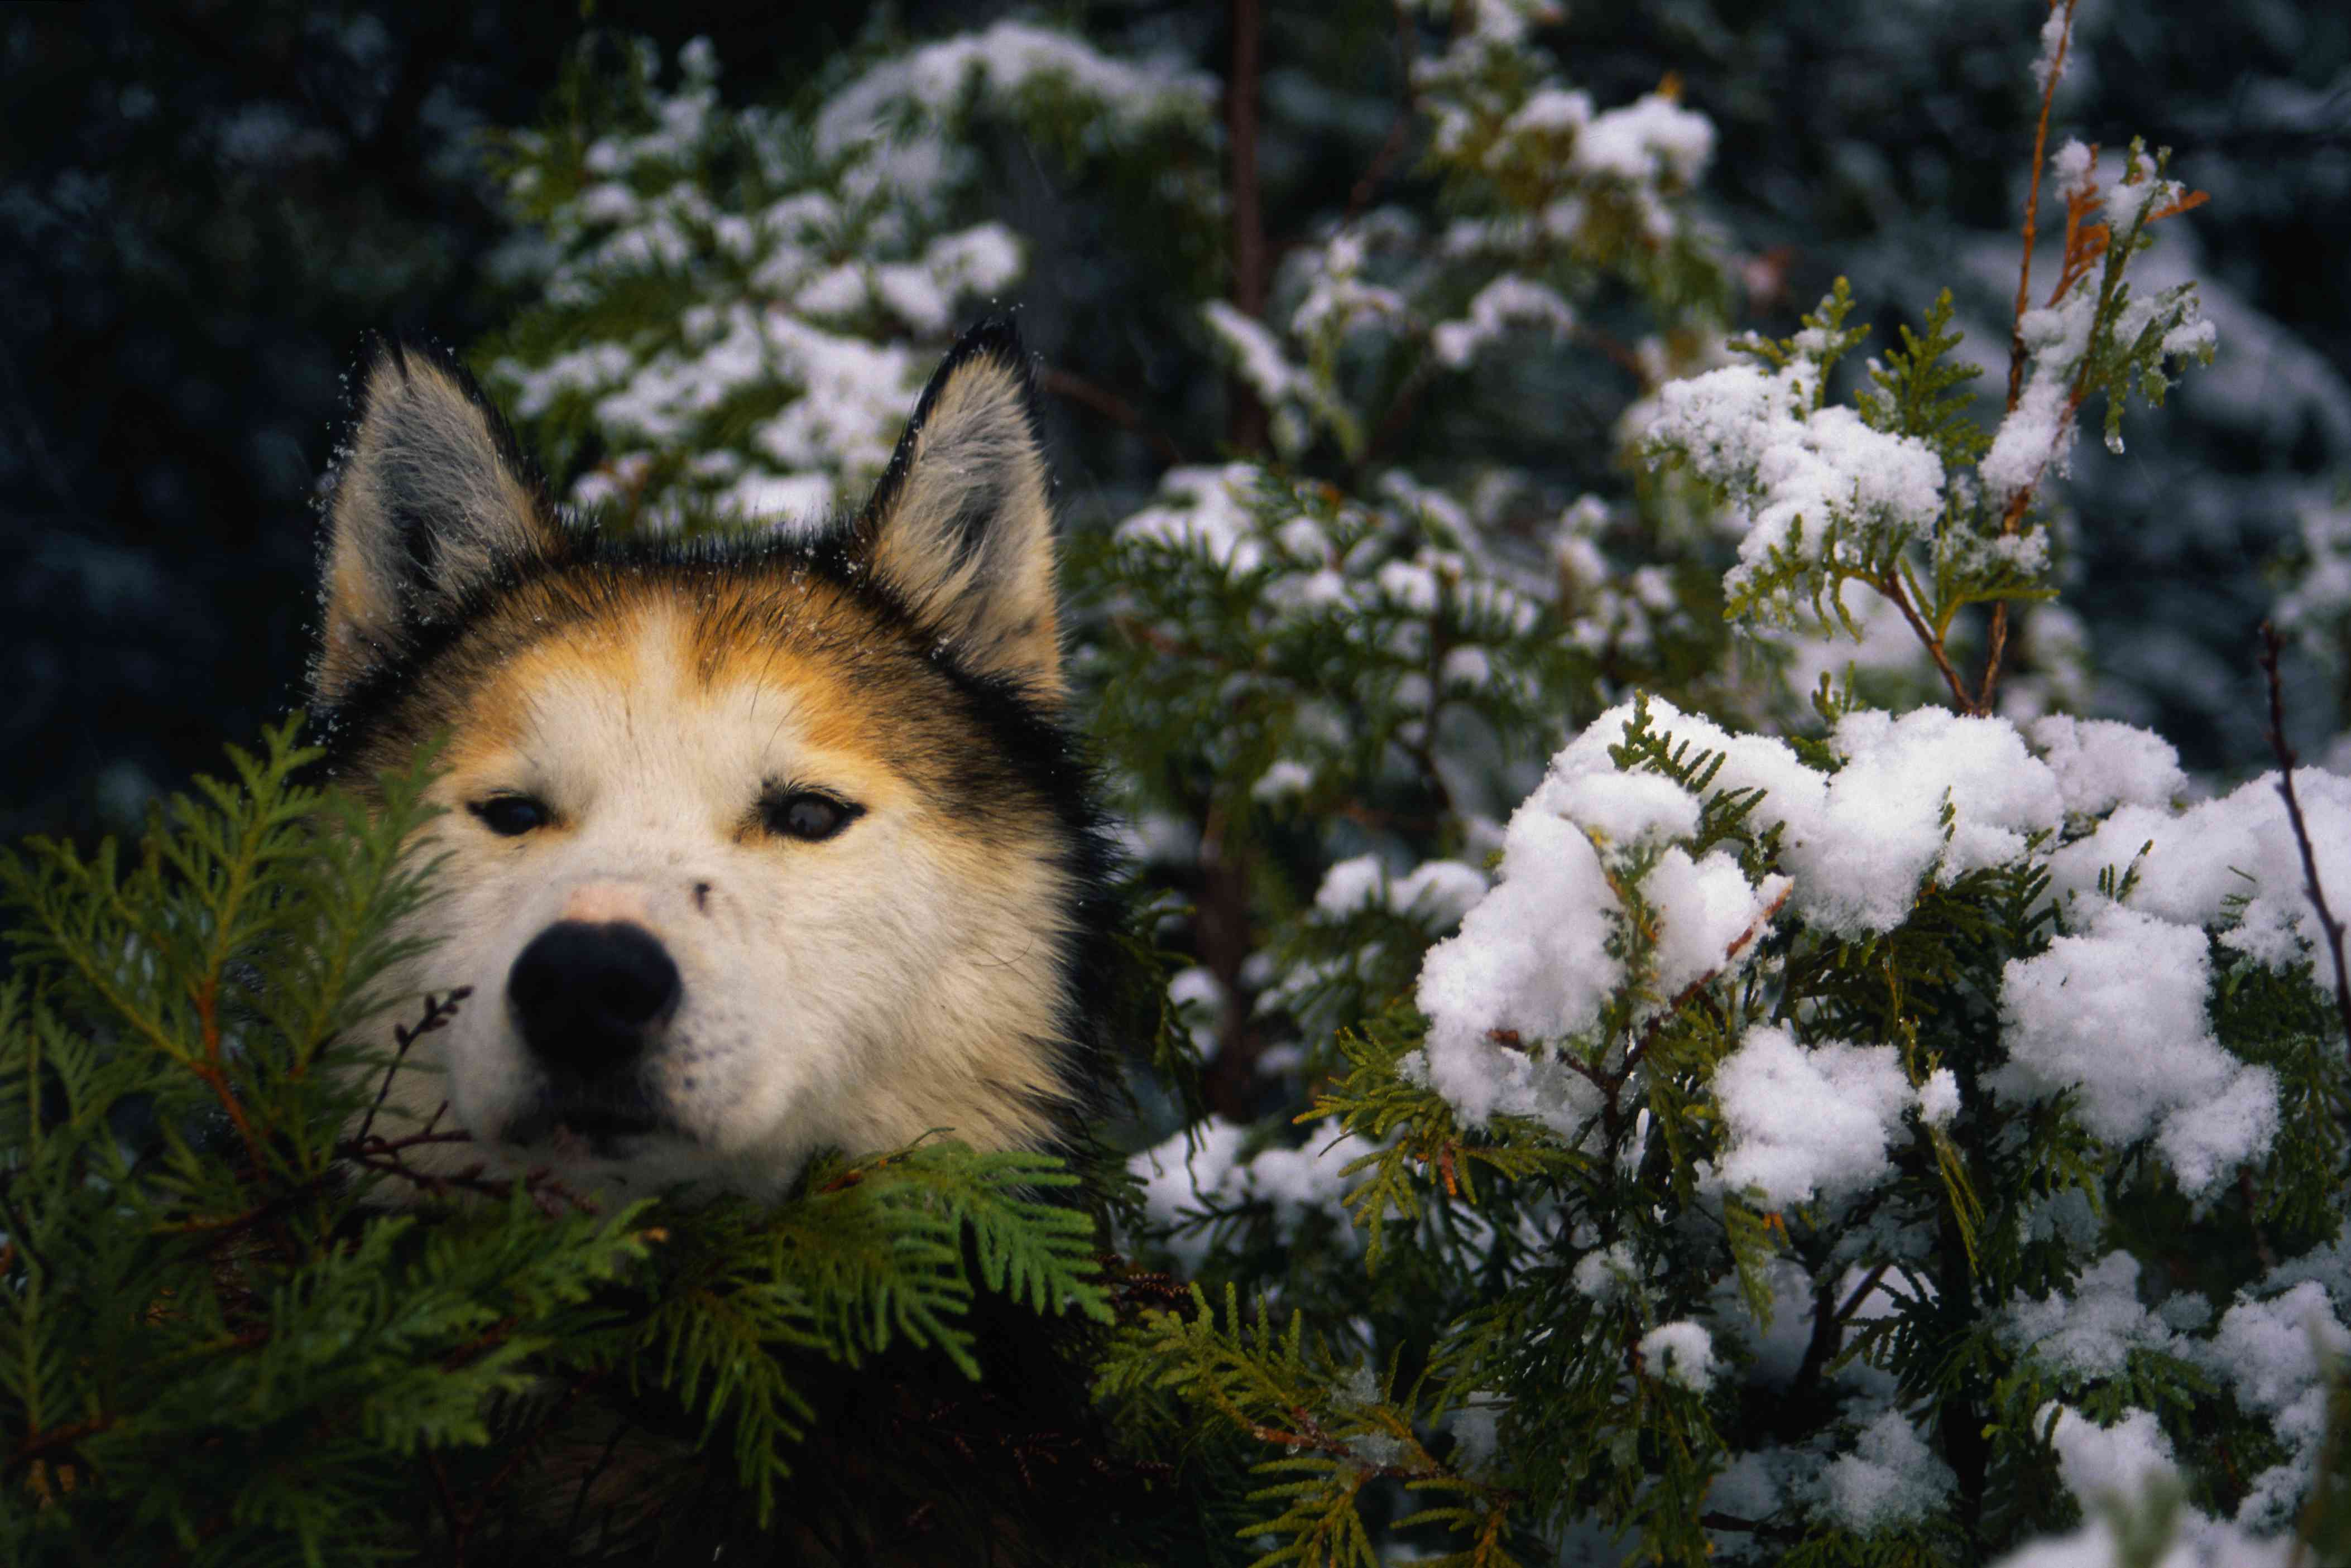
242	1329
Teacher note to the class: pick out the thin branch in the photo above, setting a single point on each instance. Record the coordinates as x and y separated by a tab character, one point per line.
2016	354
438	1012
1247	431
1110	405
1996	640
2286	763
1891	586
1406	108
1861	1293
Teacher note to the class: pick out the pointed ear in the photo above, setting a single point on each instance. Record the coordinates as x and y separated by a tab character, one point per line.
432	499
960	526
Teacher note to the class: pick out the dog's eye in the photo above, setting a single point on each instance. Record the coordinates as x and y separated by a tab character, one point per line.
806	814
511	815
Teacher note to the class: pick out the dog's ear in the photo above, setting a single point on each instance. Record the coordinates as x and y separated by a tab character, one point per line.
961	527
430	502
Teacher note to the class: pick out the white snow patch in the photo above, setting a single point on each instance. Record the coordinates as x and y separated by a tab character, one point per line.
1680	1353
2117	1012
1891	1476
1807	1123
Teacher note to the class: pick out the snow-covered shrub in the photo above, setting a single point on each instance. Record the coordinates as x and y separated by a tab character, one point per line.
1712	1070
738	305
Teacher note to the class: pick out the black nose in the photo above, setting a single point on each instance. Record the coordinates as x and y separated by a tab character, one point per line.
589	997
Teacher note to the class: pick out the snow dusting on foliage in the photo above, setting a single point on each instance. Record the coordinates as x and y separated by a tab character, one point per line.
1680	1353
808	296
1806	478
1819	1033
1533	960
2229	864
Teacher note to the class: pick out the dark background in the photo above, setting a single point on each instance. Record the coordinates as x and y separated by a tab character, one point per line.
204	206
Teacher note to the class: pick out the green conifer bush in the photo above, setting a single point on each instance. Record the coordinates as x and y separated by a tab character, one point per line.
243	1329
1675	1040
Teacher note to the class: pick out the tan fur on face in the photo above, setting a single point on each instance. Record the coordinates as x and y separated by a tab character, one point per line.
860	992
907	974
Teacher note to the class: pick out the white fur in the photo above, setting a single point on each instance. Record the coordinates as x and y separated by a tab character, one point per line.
855	993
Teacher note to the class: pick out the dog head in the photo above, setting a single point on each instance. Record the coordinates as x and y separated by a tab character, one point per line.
746	849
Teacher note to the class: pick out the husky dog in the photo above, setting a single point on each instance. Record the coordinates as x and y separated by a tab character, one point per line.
749	848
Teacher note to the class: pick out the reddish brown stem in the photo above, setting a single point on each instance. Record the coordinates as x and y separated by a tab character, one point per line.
1248	427
2287	761
1996	641
1891	586
2032	206
1110	405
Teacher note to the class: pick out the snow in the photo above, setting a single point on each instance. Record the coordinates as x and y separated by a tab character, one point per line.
1791	470
1532	964
1285	779
2091	1333
800	500
1441	890
1294	1185
1880	832
1255	352
2101	764
1337	301
1652	139
1202	508
2230	864
1803	1123
1608	1272
2054	34
1008	58
1551	109
2073	165
2116	1012
2321	596
1507	300
2271	1351
1938	1097
1890	1477
2039	431
1679	1353
2099	1464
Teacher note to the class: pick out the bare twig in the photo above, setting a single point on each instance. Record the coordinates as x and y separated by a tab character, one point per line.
1247	21
438	1012
1996	638
1368	185
2286	763
1861	1293
1891	586
1110	405
2016	354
